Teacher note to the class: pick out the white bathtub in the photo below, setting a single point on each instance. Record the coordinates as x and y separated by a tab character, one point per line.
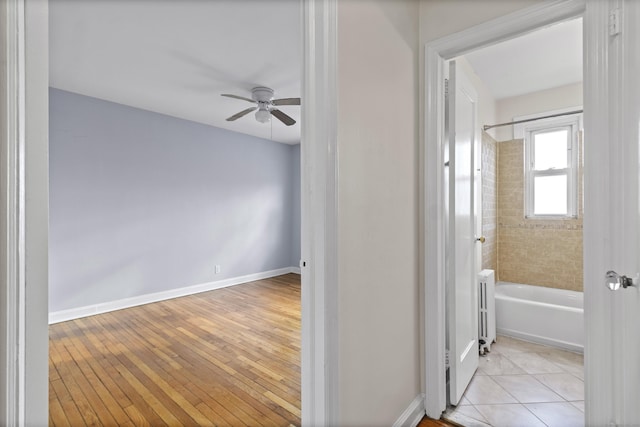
543	315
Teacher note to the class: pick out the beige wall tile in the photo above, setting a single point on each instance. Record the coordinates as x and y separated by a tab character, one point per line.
489	173
536	252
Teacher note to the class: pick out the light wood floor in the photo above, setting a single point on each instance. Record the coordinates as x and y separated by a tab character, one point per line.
428	422
229	357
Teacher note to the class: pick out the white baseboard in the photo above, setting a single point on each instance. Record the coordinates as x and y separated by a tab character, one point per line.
413	414
90	310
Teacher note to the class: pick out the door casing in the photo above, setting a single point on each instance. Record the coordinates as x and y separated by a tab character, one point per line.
436	53
24	230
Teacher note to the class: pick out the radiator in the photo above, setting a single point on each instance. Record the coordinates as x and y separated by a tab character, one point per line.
486	310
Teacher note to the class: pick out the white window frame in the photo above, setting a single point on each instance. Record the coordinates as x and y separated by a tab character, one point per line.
573	124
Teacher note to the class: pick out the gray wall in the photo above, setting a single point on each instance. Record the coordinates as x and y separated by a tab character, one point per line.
142	202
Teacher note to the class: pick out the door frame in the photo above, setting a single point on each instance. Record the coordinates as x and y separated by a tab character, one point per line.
319	171
436	53
24	213
24	186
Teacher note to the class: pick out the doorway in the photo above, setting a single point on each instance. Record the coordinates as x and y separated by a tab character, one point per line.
609	89
229	198
459	45
26	379
537	247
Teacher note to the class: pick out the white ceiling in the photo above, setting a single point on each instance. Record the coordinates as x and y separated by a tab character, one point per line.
177	57
541	60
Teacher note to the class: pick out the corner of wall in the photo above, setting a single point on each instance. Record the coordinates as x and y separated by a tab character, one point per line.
414	413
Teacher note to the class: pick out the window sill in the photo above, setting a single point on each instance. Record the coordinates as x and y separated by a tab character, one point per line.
551	217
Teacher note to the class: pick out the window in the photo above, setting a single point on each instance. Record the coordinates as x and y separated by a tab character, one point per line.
551	168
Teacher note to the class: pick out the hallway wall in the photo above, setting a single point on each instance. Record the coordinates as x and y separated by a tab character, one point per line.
379	317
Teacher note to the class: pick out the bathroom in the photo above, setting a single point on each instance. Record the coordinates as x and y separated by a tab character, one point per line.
531	217
526	247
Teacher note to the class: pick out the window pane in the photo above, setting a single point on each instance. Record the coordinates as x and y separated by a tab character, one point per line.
550	150
550	195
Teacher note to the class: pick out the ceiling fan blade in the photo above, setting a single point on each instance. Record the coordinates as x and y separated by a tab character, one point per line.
241	113
286	101
238	97
282	117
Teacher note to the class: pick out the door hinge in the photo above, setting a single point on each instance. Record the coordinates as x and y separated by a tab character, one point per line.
615	23
446	87
446	359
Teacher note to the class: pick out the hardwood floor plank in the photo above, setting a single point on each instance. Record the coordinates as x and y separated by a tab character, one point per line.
230	390
229	357
103	369
150	370
136	416
67	369
220	420
192	387
286	405
56	412
208	352
260	368
93	374
428	422
69	408
119	382
155	397
148	383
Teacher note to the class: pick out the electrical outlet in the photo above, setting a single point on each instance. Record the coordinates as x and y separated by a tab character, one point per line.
217	269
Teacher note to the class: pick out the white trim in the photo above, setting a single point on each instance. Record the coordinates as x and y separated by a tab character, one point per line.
572	126
503	28
413	414
105	307
36	211
434	292
320	391
295	270
507	27
13	232
24	196
610	235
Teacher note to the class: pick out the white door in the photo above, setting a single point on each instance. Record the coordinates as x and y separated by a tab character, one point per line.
612	212
462	304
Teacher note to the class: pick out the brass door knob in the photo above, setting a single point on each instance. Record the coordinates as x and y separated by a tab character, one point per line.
480	239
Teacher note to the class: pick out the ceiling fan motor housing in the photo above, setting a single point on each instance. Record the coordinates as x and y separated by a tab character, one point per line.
262	94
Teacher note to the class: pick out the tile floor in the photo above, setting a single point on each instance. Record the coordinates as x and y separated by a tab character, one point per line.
523	384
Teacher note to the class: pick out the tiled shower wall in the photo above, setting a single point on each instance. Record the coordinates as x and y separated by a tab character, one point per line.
488	169
536	252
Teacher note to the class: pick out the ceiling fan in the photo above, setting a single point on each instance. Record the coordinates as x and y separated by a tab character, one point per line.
263	96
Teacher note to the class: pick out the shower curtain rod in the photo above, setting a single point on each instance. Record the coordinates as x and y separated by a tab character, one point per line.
487	127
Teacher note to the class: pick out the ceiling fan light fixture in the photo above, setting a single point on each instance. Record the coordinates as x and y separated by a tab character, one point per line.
263	115
266	106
